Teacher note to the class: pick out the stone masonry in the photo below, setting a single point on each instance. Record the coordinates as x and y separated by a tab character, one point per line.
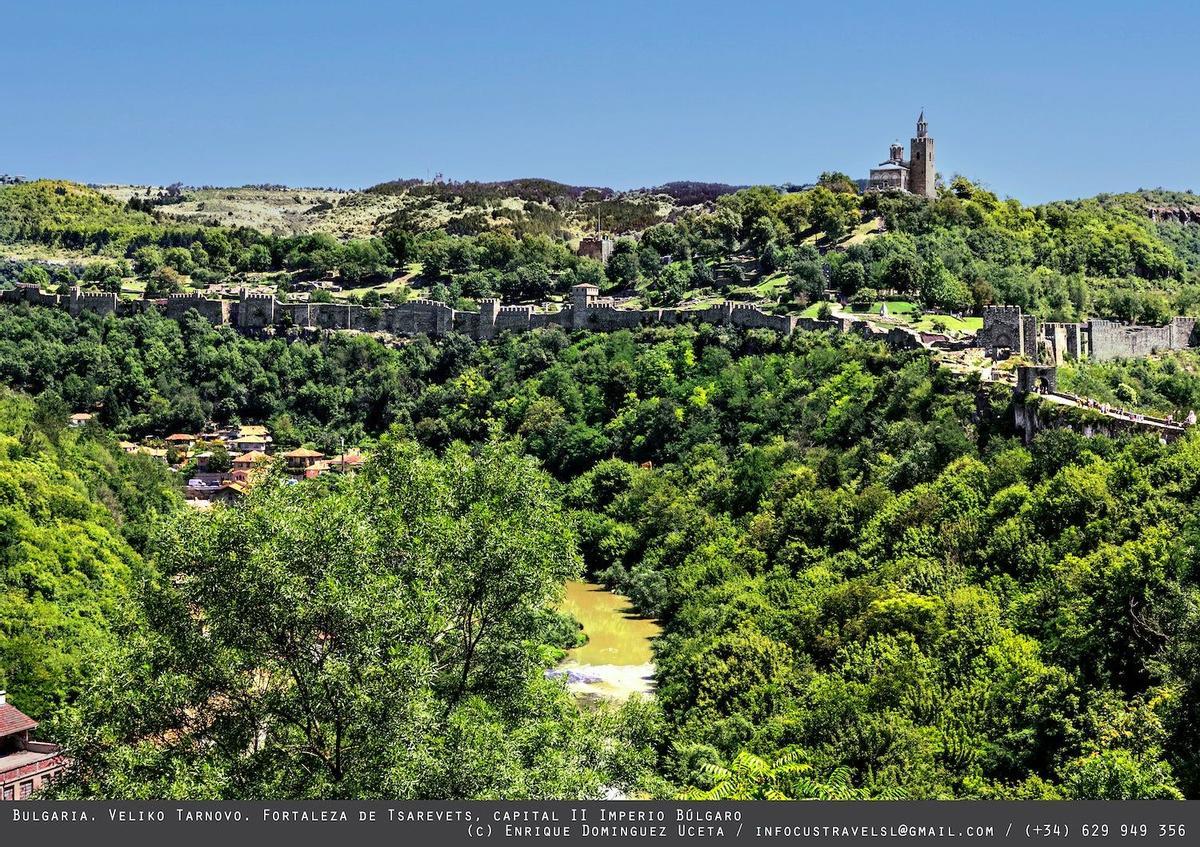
1007	329
585	309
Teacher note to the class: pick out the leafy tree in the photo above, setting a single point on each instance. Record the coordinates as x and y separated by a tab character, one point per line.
35	275
147	259
400	622
849	277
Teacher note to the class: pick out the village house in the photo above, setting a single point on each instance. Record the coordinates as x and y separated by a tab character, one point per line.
25	765
181	441
159	454
245	443
255	429
229	493
346	463
202	486
301	459
78	419
317	468
245	464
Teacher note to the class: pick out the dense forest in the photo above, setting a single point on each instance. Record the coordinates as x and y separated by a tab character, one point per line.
867	586
75	513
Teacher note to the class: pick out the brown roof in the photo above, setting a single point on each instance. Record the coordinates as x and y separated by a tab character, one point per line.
180	436
247	458
303	453
349	459
13	720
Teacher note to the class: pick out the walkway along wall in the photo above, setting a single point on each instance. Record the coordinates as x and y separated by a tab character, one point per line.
586	310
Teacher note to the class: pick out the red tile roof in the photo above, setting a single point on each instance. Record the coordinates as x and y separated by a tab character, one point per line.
13	720
249	458
349	459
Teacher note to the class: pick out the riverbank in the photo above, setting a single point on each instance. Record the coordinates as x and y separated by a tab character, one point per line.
618	659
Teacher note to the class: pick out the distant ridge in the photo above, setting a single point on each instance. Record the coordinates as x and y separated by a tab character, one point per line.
536	189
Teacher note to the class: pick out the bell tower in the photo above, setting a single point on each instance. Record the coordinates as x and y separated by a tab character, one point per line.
922	169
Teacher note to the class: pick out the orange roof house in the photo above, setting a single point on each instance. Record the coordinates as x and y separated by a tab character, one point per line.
250	459
230	492
25	765
302	458
347	462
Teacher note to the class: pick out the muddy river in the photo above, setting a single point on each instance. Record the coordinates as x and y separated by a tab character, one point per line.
617	660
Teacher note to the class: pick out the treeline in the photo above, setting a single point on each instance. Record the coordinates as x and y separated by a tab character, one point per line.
965	250
76	511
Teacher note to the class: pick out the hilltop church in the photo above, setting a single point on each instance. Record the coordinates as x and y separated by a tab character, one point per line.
915	176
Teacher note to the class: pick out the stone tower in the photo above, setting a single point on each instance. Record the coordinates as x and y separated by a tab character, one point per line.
922	171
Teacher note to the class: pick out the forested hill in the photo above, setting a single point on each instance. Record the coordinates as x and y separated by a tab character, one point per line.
868	586
74	511
1124	256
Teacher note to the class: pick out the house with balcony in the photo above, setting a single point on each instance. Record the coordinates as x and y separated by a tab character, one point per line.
26	766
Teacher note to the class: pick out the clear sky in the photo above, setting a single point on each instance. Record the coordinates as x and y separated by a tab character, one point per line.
1038	100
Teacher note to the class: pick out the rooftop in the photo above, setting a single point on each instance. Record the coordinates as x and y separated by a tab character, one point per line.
347	459
13	720
247	458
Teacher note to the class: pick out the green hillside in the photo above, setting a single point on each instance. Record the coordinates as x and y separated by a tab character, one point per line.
1129	256
73	508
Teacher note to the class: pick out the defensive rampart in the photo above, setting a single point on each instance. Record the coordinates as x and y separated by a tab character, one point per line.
1007	328
253	312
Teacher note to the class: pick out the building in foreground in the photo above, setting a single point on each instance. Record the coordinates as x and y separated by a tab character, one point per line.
25	765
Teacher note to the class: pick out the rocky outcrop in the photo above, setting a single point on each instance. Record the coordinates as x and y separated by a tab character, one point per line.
1178	214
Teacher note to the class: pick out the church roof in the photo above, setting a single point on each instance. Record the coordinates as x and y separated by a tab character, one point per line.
891	166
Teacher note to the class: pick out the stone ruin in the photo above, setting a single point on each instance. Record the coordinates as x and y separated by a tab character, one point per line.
1007	331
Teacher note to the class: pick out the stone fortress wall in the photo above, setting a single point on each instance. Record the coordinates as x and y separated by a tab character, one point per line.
1007	328
585	310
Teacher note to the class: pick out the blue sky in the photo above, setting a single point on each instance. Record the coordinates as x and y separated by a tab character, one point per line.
1037	100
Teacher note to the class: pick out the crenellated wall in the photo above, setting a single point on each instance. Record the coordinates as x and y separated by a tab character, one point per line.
215	311
585	310
1005	327
1112	340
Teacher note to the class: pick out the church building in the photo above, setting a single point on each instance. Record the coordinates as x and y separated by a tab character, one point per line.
917	175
